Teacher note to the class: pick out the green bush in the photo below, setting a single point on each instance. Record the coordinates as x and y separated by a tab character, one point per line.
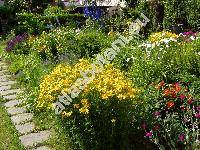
35	23
180	11
149	62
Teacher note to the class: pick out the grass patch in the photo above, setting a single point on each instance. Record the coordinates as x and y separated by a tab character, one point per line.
9	138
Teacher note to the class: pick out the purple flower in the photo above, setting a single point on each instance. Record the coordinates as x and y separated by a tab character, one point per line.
189	33
181	137
149	134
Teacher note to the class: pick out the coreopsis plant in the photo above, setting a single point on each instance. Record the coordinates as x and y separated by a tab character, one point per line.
159	36
171	115
100	112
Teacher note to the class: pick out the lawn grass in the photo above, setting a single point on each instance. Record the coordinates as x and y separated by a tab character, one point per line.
9	138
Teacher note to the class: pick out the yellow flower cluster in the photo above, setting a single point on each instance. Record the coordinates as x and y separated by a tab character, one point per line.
86	106
109	83
156	37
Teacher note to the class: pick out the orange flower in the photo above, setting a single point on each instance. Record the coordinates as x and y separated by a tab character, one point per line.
167	92
170	104
177	87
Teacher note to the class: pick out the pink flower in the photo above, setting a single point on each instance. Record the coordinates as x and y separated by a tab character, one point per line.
149	134
197	115
156	113
181	137
182	97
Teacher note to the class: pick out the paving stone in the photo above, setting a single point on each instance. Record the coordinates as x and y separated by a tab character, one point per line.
16	110
21	118
33	139
3	67
6	87
13	103
4	72
7	83
7	92
42	148
4	80
5	76
25	128
10	97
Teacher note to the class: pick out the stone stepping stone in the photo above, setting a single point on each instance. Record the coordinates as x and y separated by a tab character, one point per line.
10	97
4	80
5	76
42	148
12	103
8	92
7	83
33	139
3	72
3	67
16	110
21	118
25	128
5	87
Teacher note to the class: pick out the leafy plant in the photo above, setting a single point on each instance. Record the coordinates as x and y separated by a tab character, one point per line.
171	115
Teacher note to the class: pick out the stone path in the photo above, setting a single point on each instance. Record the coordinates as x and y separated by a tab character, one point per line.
30	138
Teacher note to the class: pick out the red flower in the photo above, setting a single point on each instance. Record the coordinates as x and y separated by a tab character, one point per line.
167	92
182	108
173	94
190	101
156	127
162	83
170	104
177	87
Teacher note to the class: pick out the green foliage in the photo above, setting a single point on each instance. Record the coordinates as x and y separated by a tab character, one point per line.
91	42
180	11
149	62
35	23
170	115
18	5
53	10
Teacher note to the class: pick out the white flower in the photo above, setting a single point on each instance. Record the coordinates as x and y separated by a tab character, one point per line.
192	38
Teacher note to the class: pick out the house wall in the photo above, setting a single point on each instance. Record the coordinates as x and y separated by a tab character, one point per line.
1	2
99	3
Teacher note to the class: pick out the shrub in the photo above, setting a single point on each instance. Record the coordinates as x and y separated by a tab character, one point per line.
160	60
36	24
95	118
181	11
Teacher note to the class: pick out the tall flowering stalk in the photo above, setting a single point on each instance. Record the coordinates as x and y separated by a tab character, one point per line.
92	11
14	41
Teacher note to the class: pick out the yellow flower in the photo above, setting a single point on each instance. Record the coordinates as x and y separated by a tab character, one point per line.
66	114
76	106
84	110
